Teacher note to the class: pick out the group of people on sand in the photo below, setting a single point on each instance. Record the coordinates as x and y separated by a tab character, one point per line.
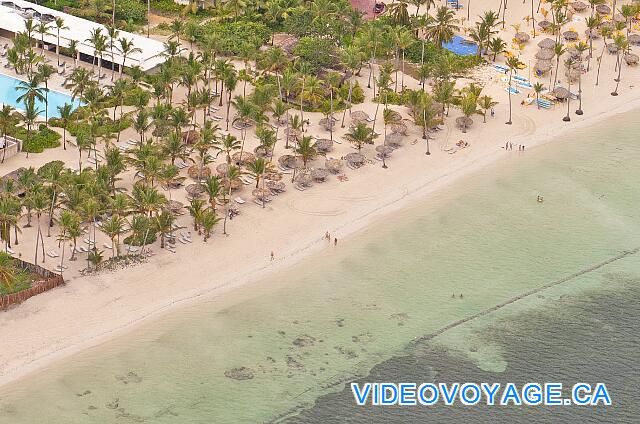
453	296
509	146
327	237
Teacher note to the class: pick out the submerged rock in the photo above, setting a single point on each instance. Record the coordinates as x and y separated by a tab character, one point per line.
241	373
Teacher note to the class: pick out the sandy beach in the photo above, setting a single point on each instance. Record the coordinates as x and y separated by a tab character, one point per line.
89	310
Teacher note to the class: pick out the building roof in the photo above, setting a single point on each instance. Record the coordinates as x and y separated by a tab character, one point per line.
13	13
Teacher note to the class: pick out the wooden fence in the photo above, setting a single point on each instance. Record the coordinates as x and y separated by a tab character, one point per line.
49	280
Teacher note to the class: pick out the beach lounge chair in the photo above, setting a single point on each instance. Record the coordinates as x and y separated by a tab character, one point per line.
371	119
107	246
51	255
132	142
300	187
240	200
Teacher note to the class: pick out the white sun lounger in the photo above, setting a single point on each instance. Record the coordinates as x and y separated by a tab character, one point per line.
240	200
107	246
299	187
132	142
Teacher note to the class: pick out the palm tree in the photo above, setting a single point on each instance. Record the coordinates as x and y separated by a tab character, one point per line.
443	27
622	44
98	41
59	22
213	187
31	114
514	64
40	204
43	29
559	50
8	120
538	87
306	150
113	227
497	46
486	103
592	25
352	58
581	47
360	135
126	48
208	220
112	33
45	72
65	112
259	167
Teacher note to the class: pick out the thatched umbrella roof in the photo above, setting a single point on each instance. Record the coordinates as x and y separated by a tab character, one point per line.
543	66
606	24
327	124
235	183
464	122
292	133
333	165
275	185
290	161
323	145
304	179
544	24
545	54
619	18
437	107
603	9
384	150
547	43
522	37
399	128
195	171
578	6
612	48
394	139
260	193
634	39
572	73
175	206
356	158
319	174
273	176
222	169
359	116
194	190
631	58
560	93
592	34
190	137
570	35
243	159
261	152
395	116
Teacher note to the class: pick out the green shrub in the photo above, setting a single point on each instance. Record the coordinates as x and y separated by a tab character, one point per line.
14	278
234	37
168	6
131	10
318	53
357	94
40	139
133	241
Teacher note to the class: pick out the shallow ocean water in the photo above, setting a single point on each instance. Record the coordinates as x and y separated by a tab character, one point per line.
283	349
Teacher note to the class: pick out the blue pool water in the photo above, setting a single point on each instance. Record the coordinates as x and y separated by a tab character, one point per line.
460	47
9	95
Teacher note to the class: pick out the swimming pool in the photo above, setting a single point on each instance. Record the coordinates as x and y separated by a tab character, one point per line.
461	47
9	96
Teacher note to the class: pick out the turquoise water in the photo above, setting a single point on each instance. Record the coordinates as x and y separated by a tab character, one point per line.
9	96
283	349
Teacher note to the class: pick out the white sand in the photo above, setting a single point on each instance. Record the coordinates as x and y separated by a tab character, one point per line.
90	310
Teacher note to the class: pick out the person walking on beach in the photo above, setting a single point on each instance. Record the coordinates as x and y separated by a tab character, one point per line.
327	236
335	241
273	255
